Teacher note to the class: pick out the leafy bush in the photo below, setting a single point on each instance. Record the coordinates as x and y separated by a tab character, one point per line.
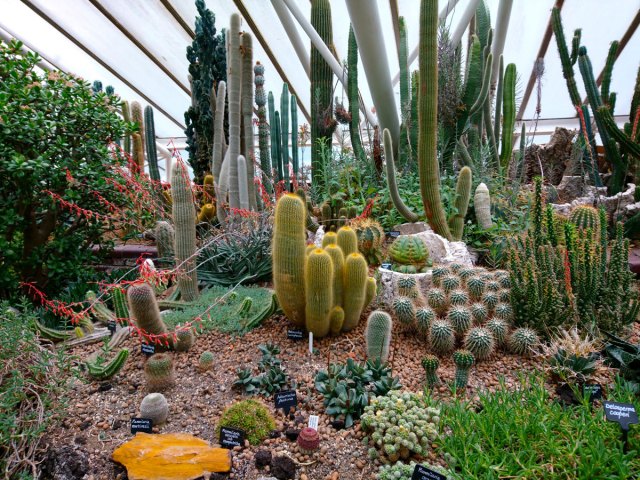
250	416
348	388
57	193
524	434
33	382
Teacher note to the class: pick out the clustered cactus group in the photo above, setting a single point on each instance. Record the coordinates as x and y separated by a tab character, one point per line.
400	425
324	289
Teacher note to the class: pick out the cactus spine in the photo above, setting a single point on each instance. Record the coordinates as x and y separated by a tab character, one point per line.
155	407
184	219
289	257
164	234
205	362
430	363
144	309
356	274
463	194
119	299
463	360
150	139
378	335
247	124
263	127
318	275
482	205
284	133
479	341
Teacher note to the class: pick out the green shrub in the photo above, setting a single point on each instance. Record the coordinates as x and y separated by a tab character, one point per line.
250	416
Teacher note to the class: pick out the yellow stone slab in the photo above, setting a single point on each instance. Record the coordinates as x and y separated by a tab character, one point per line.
170	456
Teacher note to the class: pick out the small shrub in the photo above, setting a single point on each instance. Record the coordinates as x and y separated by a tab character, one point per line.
250	416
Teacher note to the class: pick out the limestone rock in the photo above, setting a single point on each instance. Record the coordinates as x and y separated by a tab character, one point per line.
412	228
570	188
170	456
554	157
619	207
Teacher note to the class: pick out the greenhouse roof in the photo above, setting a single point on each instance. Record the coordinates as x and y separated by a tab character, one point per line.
138	46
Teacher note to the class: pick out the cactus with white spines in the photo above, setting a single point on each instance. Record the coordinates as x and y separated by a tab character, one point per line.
499	329
430	363
523	341
442	337
480	342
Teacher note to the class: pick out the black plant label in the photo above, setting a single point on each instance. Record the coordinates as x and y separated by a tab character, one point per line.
286	399
393	234
141	425
294	334
111	326
623	413
231	437
423	473
386	266
148	349
594	390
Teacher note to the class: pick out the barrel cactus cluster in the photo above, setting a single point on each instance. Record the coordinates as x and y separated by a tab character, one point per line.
324	290
409	254
370	239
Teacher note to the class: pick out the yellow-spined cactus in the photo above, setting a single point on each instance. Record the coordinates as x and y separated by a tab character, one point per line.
318	274
371	291
336	320
289	249
207	213
337	256
347	240
356	274
329	239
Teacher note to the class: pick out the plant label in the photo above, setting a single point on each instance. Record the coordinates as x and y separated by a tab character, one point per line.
231	437
111	326
148	349
623	413
594	390
286	399
393	234
313	421
423	473
293	334
386	266
141	425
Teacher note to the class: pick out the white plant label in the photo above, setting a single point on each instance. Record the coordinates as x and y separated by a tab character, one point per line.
313	421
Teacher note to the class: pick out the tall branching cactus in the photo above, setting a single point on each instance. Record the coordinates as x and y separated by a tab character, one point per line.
263	127
354	97
284	133
247	119
150	138
184	220
322	122
234	78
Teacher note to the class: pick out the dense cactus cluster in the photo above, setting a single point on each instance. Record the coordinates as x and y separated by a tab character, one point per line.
400	425
325	289
370	239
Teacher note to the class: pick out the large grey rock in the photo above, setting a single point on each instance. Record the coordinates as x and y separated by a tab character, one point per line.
412	228
570	188
619	207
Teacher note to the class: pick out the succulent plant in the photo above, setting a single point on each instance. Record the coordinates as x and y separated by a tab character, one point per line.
103	371
450	283
476	286
480	342
424	318
408	287
442	337
405	311
522	341
330	238
159	372
378	335
370	239
463	360
145	311
493	285
466	273
347	240
409	250
504	295
584	217
438	273
456	267
503	311
155	407
437	299
430	363
458	297
479	312
460	318
504	280
308	441
499	329
490	299
205	362
185	339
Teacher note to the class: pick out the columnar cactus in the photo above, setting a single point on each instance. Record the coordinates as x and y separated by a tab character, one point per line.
354	97
330	238
144	309
284	133
463	194
378	335
371	291
289	257
463	360
107	370
482	205
159	372
137	117
263	127
138	153
150	139
205	362
126	116
522	341
442	337
119	300
336	320
480	342
247	121
430	363
155	407
318	275
184	220
356	274
164	235
295	161
347	240
219	140
234	87
337	258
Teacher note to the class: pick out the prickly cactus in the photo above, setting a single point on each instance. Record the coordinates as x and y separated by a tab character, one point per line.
430	363
522	341
318	273
378	335
463	360
205	362
155	407
480	342
159	372
442	337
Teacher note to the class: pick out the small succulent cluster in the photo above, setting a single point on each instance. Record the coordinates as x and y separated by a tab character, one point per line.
400	425
404	471
409	254
467	306
370	239
272	377
333	214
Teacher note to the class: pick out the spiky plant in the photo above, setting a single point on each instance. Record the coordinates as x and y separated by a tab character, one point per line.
479	312
523	341
438	273
499	329
480	342
493	286
460	318
405	311
490	299
463	360
408	287
503	311
466	273
450	282
504	295
504	280
424	318
185	339
437	299
159	372
476	286
155	407
458	297
205	362
430	363
442	337
456	267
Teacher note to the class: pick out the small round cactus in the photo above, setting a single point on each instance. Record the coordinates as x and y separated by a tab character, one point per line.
424	318
408	287
442	337
455	267
430	363
479	312
186	339
437	299
522	341
450	283
405	311
155	407
460	318
503	311
308	441
584	217
409	250
476	286
480	342
504	295
438	273
159	372
464	360
499	329
490	299
458	297
466	273
206	361
493	285
504	280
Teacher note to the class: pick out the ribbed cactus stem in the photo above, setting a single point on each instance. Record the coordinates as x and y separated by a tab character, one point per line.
288	249
137	117
347	240
144	309
294	137
234	81
263	127
508	115
119	300
138	153
356	274
247	116
354	97
184	221
391	180
428	168
150	139
275	138
284	133
565	60
482	205
318	273
337	257
275	142
243	184
463	194
378	335
126	116
218	132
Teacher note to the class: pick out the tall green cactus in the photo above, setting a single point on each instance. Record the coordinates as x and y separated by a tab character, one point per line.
508	115
354	97
243	183
247	120
144	310
337	257
322	122
138	153
356	274
218	133
318	276
378	335
463	194
119	300
263	127
289	257
137	117
150	138
234	84
275	138
275	142
126	116
294	137
284	133
184	220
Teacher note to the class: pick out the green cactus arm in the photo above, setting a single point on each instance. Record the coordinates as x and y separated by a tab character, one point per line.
275	141
354	98
284	133
508	115
234	84
263	127
126	116
356	275
616	133
391	180
635	104
566	61
428	169
484	89
465	157
243	183
247	118
575	45
463	194
491	137
218	132
497	118
294	137
119	300
275	137
138	153
104	372
607	72
150	138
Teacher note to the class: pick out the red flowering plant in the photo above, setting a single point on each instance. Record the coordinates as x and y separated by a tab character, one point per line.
62	184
